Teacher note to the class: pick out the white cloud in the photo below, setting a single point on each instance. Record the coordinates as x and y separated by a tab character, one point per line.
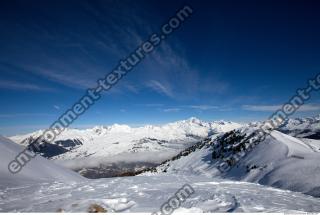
160	88
270	108
15	85
153	105
14	115
203	107
196	107
132	88
77	59
261	107
70	75
56	107
171	110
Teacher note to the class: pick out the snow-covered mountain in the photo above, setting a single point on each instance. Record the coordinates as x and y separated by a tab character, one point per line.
37	170
280	160
103	146
179	130
42	186
49	191
302	127
119	150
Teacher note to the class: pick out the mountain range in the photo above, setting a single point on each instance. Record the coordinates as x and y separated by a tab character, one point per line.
279	174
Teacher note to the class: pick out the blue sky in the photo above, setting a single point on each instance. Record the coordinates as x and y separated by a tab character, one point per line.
232	60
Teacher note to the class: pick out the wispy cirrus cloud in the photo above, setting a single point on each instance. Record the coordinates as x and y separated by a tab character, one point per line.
270	108
171	110
91	43
73	56
15	85
15	115
152	105
160	88
203	107
171	68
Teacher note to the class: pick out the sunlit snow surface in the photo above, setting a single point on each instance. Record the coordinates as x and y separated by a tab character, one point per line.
147	193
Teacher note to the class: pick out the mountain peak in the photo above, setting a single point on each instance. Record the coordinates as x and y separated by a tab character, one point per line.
194	120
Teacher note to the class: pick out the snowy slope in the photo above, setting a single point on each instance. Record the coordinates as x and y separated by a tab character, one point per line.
314	144
280	161
37	170
139	193
147	194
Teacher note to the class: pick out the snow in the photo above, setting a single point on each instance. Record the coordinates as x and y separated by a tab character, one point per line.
148	193
302	123
281	161
302	127
314	144
38	169
285	162
286	177
144	144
